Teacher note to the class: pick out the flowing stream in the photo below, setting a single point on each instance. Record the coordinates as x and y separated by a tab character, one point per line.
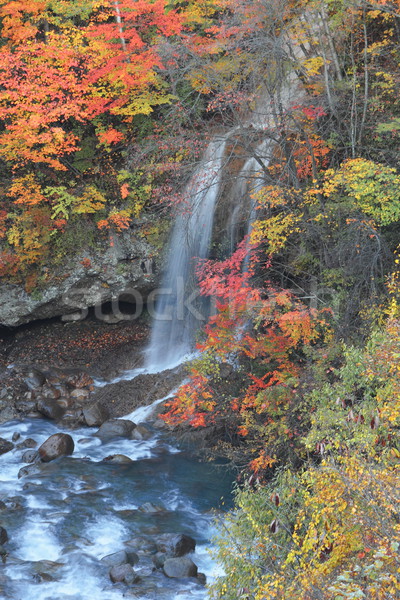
64	518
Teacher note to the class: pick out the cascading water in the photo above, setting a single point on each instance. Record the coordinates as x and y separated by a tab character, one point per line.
179	311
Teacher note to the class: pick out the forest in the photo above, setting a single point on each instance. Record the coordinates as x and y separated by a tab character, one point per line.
106	108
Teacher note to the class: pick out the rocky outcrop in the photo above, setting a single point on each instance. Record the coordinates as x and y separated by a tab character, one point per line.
121	271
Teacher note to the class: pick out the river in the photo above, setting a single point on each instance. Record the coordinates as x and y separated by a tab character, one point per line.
62	520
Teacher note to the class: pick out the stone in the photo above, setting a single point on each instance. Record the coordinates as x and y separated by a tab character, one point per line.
48	407
58	444
95	414
182	566
80	394
15	436
5	446
141	432
33	378
30	456
3	536
202	579
141	545
122	573
116	559
115	428
118	459
176	544
33	469
27	443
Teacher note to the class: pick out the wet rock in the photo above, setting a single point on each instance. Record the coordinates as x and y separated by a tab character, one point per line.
33	469
15	436
141	545
150	507
58	444
159	559
115	428
182	566
3	536
176	544
30	456
132	557
95	415
80	394
49	408
5	446
201	578
118	459
33	378
3	505
116	559
27	443
123	573
141	432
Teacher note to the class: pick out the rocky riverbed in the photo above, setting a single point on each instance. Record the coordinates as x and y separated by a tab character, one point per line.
85	494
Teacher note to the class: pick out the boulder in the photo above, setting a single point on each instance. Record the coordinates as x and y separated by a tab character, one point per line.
29	456
95	414
49	408
58	444
182	566
116	559
141	545
176	544
5	446
15	436
122	573
115	428
141	432
32	377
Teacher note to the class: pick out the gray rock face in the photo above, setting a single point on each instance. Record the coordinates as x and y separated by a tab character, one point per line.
115	428
114	272
180	567
58	444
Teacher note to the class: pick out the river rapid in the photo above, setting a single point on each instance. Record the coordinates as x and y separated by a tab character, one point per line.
66	515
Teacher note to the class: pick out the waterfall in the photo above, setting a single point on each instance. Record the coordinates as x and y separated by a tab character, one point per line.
179	310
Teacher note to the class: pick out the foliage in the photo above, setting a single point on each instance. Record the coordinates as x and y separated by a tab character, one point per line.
330	530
